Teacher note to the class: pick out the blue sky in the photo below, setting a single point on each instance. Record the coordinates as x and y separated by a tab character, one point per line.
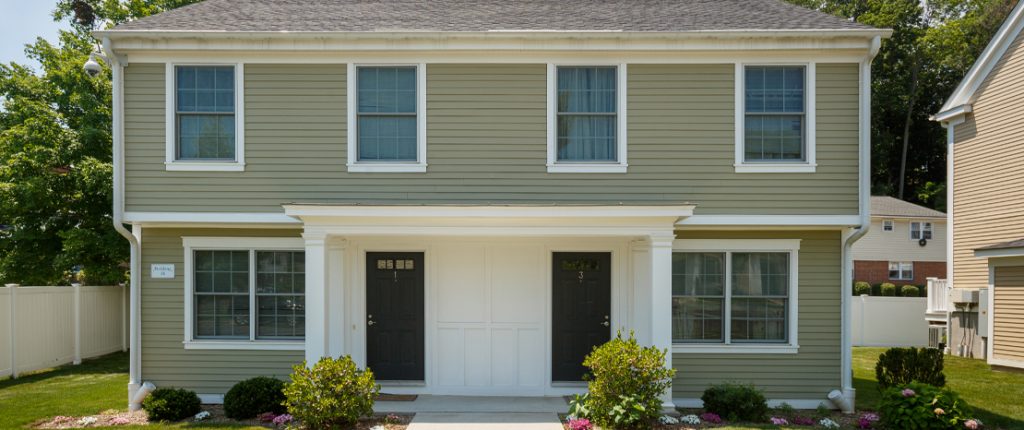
23	21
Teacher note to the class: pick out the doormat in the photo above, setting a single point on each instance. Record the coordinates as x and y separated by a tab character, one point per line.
385	397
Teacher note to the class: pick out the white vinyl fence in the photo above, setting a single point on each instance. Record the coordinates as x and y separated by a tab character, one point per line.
889	321
43	327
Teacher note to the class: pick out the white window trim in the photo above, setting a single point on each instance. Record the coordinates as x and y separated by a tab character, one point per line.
890	224
171	163
921	227
352	96
791	246
192	244
899	269
621	166
809	165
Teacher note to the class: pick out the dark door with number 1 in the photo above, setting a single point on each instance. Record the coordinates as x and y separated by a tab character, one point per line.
394	315
582	294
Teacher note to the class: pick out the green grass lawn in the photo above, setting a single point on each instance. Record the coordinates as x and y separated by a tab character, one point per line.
997	396
101	384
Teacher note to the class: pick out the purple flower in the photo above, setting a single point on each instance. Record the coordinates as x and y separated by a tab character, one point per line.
283	419
580	424
803	421
779	421
908	392
867	420
711	417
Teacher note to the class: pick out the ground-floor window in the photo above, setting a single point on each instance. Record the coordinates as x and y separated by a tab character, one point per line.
740	295
245	289
901	270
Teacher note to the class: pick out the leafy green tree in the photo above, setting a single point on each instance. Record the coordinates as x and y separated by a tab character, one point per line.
934	43
55	154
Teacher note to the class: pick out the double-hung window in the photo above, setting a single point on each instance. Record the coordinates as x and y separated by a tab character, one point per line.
775	127
204	118
586	127
887	225
901	270
386	130
245	292
730	295
920	230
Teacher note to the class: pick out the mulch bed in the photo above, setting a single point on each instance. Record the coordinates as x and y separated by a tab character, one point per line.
845	422
385	397
120	418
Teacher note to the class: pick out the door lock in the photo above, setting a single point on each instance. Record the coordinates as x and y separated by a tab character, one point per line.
606	324
370	322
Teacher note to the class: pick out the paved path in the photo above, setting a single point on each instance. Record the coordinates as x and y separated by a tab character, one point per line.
484	413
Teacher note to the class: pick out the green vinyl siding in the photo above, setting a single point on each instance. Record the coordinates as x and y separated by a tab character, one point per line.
810	373
165	361
486	142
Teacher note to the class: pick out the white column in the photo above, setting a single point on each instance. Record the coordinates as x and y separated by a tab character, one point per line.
336	273
641	325
661	301
316	297
77	301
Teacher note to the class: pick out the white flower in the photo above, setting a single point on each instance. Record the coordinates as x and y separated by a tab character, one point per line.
668	419
690	419
828	423
86	421
377	427
202	416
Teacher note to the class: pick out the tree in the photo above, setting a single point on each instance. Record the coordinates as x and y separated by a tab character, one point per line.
934	43
55	154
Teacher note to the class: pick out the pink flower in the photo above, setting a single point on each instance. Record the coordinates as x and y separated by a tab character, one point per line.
908	392
972	424
779	421
283	419
867	420
803	421
711	417
580	424
939	411
120	421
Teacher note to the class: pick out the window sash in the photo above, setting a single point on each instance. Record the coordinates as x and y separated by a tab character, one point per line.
920	230
731	323
221	152
253	314
755	139
586	98
404	150
901	271
887	225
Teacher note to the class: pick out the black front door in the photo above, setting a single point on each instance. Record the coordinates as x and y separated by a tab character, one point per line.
394	315
581	304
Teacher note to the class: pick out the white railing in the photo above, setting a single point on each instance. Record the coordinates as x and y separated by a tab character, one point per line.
43	327
938	296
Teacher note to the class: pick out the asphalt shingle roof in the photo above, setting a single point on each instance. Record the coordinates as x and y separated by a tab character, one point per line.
1019	243
490	15
890	206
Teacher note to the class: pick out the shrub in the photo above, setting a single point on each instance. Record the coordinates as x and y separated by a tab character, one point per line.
922	406
333	393
171	404
899	366
254	396
625	383
888	289
736	402
861	288
910	291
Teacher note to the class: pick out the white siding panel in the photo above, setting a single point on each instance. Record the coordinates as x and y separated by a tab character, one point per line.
896	245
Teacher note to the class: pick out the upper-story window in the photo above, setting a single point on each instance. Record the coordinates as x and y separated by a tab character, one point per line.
775	119
920	230
386	122
204	117
586	131
887	225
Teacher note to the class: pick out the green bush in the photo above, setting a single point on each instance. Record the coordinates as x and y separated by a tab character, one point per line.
910	291
888	289
171	404
736	402
861	288
334	393
625	384
900	366
254	396
921	406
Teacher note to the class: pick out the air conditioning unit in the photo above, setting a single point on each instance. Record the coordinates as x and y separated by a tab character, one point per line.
936	334
963	296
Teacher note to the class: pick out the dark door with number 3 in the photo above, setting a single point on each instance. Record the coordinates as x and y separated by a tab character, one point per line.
581	304
394	315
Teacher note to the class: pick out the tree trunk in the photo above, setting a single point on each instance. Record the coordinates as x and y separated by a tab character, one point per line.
907	123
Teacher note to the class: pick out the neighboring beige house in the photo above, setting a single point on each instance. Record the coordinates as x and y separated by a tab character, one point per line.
467	196
906	244
985	120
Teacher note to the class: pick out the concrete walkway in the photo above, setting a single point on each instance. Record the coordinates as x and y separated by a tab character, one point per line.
486	413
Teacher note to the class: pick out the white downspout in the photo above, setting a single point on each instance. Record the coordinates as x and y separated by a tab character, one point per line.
846	399
135	268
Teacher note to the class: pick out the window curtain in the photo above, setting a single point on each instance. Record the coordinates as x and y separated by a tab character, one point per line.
587	114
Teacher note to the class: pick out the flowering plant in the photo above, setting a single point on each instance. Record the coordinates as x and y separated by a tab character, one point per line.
867	420
580	424
120	421
779	421
283	419
690	419
202	416
908	392
671	420
929	407
803	421
87	421
973	424
267	417
711	417
828	423
392	419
